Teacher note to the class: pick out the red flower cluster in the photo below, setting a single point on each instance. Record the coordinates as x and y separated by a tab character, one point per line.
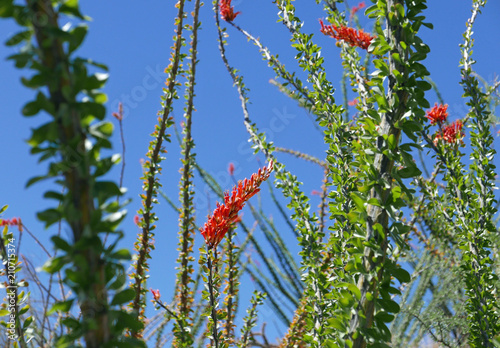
137	220
357	8
350	35
12	222
230	168
353	102
437	114
227	11
226	214
156	294
451	133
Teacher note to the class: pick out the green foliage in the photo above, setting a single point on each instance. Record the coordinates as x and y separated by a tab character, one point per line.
72	142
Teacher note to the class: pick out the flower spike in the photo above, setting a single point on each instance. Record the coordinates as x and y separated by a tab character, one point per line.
226	214
350	35
227	11
437	114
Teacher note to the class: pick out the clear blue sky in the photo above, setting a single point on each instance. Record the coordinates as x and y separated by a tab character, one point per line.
133	38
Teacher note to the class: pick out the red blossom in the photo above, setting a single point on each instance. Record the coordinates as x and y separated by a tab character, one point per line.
156	294
353	102
437	114
453	132
357	8
226	214
227	11
230	168
350	35
12	222
137	219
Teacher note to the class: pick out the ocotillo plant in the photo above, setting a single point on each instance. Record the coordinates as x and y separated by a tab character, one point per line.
401	250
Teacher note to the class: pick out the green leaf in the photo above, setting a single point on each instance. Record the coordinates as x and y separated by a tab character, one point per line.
78	34
92	109
401	274
409	172
102	129
55	264
27	322
124	296
61	243
35	81
96	81
70	7
384	316
389	305
49	216
122	254
4	312
106	189
46	132
61	306
58	196
35	179
359	201
31	108
19	37
20	59
337	324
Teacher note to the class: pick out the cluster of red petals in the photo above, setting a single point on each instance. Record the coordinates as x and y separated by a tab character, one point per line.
226	214
230	168
156	294
137	220
357	8
350	35
353	102
227	11
12	222
437	114
451	133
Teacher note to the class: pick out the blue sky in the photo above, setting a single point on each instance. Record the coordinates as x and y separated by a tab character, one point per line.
133	38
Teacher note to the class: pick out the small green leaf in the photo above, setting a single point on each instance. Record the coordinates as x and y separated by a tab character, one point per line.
55	264
61	243
409	172
49	216
401	274
122	254
31	108
337	324
27	322
61	306
389	305
124	296
102	129
18	38
77	36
